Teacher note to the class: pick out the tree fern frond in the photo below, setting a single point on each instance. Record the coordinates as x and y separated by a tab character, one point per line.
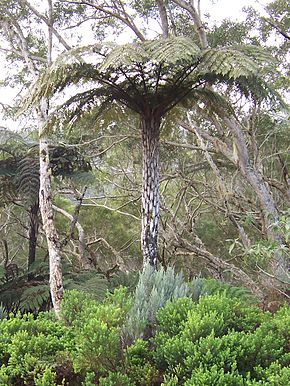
228	62
213	101
19	176
87	281
172	50
8	192
256	53
35	298
124	55
212	286
27	179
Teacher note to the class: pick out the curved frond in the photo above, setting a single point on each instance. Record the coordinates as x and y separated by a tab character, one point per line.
124	55
228	62
27	179
169	51
173	50
7	190
212	101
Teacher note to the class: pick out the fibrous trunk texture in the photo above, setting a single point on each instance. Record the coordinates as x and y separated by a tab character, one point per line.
45	203
150	126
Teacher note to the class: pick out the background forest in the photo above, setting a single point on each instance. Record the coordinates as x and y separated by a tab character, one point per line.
144	194
221	91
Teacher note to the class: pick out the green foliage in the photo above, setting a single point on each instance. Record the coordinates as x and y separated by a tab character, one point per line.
172	50
18	294
97	326
153	291
220	341
213	340
47	378
90	282
114	379
138	362
97	347
212	286
29	348
19	168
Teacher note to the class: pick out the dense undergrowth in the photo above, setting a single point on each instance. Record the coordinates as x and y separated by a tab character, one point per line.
167	332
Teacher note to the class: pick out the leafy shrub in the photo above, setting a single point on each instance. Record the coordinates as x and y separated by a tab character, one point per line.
47	378
138	363
220	341
114	379
30	347
97	347
97	329
153	291
77	307
216	340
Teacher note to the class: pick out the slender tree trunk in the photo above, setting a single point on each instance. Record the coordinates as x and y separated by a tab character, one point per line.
84	261
150	126
45	192
163	18
278	264
45	203
33	233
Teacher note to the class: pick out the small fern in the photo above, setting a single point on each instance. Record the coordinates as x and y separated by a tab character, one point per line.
35	298
212	286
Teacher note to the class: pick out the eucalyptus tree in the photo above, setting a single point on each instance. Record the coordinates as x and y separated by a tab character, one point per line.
149	77
27	35
240	137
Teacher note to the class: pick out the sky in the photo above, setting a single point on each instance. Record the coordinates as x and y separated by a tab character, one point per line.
221	9
218	10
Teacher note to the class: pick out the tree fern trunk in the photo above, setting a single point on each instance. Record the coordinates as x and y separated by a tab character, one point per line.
33	233
150	126
45	203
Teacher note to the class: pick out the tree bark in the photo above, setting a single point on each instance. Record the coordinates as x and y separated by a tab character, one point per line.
45	203
266	201
150	126
45	192
84	261
33	233
163	18
194	13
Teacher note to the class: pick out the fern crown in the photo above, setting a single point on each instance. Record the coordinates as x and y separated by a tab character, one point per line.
153	74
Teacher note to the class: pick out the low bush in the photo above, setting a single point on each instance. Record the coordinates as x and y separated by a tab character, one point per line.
221	341
210	340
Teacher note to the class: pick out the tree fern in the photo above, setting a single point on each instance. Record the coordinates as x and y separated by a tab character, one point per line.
19	174
168	69
150	78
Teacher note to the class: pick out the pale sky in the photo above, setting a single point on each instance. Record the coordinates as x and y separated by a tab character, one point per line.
218	10
221	9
